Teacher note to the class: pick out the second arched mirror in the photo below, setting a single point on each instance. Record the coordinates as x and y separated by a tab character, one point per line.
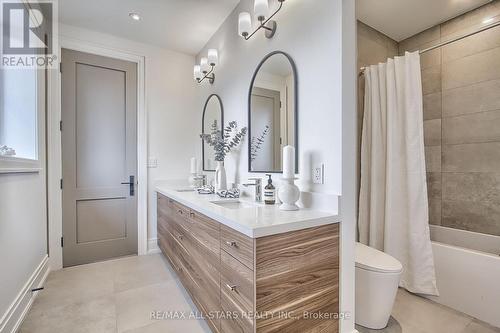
272	112
212	120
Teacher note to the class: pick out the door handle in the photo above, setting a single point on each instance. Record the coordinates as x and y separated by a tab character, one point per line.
131	183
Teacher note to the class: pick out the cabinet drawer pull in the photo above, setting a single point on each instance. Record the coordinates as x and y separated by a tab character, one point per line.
232	288
180	237
180	211
232	243
191	215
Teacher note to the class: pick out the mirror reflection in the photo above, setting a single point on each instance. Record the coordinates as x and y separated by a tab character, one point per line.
213	119
272	112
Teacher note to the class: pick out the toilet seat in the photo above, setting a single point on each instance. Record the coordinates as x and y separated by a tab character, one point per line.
374	260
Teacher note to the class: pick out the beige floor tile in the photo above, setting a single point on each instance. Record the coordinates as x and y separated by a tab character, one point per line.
140	271
416	313
77	284
477	327
174	326
96	316
134	307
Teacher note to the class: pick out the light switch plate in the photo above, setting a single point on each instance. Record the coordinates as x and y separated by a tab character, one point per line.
319	174
152	162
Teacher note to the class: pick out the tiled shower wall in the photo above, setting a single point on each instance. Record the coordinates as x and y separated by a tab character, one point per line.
461	87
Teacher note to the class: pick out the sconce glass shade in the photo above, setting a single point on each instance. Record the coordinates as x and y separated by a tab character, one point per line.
197	72
213	57
261	9
244	24
204	65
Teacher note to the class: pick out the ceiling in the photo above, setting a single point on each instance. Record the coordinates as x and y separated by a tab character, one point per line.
179	25
400	19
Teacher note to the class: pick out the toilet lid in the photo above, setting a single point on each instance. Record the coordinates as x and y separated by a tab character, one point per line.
377	261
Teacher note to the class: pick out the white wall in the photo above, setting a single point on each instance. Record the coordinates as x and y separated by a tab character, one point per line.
173	116
310	32
320	36
23	226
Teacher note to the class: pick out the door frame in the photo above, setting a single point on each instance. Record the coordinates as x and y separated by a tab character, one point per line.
55	148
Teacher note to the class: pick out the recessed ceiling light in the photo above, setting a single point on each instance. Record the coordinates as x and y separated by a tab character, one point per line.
488	20
135	16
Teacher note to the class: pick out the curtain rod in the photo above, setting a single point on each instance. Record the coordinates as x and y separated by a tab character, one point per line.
486	27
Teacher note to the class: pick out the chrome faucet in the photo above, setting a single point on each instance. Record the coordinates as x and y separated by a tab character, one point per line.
258	188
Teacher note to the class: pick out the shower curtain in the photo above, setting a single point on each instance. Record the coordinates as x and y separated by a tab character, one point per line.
393	211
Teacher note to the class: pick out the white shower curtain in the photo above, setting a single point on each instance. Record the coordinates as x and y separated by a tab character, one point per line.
393	211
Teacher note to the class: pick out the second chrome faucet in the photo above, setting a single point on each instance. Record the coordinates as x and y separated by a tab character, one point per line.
258	188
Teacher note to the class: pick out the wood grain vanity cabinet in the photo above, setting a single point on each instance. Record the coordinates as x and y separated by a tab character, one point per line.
280	283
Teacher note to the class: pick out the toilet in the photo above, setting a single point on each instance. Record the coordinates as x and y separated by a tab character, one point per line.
377	280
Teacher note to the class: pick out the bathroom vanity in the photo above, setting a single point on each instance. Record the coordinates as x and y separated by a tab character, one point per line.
249	267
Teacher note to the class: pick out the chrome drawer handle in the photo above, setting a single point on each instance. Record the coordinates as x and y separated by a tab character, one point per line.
233	244
232	288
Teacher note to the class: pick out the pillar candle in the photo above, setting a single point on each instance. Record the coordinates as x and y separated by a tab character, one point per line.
288	162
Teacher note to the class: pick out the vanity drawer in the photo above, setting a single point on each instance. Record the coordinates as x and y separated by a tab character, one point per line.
200	275
237	245
163	205
236	284
206	231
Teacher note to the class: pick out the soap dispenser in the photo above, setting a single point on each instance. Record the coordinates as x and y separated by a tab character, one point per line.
269	192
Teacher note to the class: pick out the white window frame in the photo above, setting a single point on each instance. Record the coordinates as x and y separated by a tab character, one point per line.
14	164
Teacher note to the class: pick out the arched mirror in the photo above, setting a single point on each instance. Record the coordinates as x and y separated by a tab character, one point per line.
272	113
212	120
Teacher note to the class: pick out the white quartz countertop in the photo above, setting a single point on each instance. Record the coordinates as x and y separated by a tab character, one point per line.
253	219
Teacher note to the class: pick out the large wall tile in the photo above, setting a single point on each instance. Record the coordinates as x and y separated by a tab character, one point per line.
472	186
477	43
432	106
474	157
484	96
434	181
472	128
431	80
434	197
435	207
472	69
433	158
471	201
471	216
415	42
432	132
471	19
430	58
370	52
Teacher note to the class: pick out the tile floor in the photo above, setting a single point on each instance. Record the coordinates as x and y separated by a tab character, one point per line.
119	296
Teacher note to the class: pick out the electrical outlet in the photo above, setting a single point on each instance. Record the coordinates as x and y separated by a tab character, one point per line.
319	174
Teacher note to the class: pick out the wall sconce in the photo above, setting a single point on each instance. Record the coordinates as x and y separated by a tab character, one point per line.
205	70
261	10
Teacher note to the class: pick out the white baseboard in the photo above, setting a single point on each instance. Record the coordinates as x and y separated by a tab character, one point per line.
153	246
14	316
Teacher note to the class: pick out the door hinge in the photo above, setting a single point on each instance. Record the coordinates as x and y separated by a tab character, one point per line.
60	125
62	241
61	183
60	67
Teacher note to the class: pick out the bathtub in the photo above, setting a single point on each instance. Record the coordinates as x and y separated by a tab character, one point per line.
468	272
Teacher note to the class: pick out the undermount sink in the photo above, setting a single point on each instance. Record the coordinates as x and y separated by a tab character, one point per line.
184	190
234	204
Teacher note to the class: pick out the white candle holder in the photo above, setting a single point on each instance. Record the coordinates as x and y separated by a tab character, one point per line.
289	194
192	180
